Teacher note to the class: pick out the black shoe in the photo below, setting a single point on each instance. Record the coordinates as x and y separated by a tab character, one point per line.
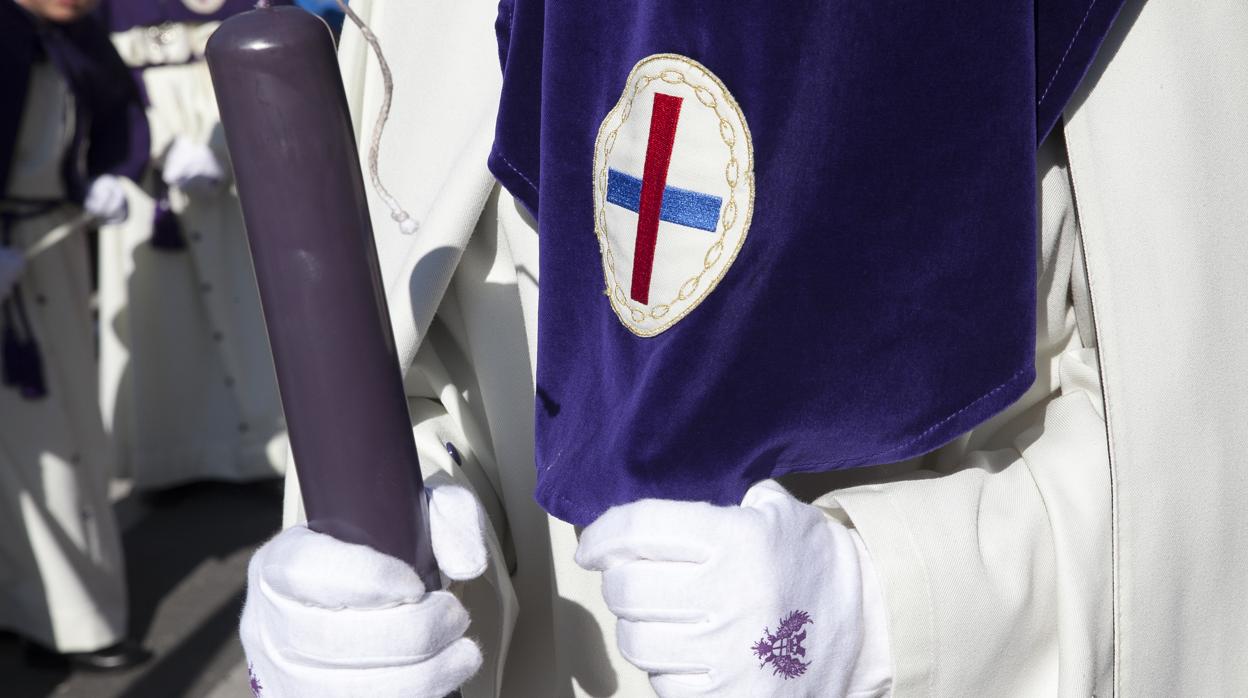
118	657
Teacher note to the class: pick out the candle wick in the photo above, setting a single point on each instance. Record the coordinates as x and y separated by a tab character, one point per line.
407	224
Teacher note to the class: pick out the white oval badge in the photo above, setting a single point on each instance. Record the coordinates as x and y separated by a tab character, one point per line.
673	191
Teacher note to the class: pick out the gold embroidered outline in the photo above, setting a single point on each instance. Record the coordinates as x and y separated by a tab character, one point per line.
687	292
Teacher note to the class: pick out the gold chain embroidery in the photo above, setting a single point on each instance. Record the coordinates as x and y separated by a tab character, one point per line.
728	219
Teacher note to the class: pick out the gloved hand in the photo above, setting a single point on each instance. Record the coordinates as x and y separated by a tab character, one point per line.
106	200
192	167
769	598
12	262
327	618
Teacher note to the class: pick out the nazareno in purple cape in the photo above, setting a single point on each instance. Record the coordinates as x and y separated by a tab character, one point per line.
110	137
884	300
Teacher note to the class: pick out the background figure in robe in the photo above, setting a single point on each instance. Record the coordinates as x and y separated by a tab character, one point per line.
68	118
187	384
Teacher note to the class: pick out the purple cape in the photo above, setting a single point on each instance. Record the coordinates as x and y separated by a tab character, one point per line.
884	300
112	136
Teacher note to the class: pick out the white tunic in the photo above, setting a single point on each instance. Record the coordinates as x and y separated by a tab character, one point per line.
1157	149
1073	545
61	573
187	383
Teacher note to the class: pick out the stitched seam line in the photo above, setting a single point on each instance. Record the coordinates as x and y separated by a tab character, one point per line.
1006	384
1062	62
1106	364
515	169
544	487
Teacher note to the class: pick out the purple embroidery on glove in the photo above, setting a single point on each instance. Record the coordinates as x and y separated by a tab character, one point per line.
783	648
256	688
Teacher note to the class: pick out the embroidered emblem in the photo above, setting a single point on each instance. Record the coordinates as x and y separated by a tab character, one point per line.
673	191
783	649
254	682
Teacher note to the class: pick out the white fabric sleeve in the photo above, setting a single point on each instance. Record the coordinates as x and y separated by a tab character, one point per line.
997	578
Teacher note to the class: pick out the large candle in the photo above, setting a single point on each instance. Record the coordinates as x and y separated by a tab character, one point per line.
297	169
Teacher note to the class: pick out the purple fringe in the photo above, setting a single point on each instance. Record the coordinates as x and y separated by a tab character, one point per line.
23	365
166	230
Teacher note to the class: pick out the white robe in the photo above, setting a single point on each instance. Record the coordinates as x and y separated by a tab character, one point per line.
62	578
1157	144
1046	552
187	384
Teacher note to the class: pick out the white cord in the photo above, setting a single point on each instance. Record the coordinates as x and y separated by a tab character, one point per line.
407	224
57	234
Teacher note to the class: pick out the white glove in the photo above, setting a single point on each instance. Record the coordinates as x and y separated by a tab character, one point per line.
327	618
12	262
762	599
192	167
106	200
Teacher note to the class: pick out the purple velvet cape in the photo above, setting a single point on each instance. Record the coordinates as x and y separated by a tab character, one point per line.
112	135
884	300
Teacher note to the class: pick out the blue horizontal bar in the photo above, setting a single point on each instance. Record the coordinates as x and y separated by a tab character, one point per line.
680	206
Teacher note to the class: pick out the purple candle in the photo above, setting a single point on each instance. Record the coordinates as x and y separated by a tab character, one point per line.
297	169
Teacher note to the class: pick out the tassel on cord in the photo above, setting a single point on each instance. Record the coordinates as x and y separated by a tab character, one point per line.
20	356
35	384
10	353
166	228
407	224
21	366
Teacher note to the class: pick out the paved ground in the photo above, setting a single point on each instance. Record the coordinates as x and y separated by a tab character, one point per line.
186	557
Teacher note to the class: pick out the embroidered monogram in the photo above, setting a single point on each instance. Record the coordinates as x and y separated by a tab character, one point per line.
254	682
673	191
783	649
